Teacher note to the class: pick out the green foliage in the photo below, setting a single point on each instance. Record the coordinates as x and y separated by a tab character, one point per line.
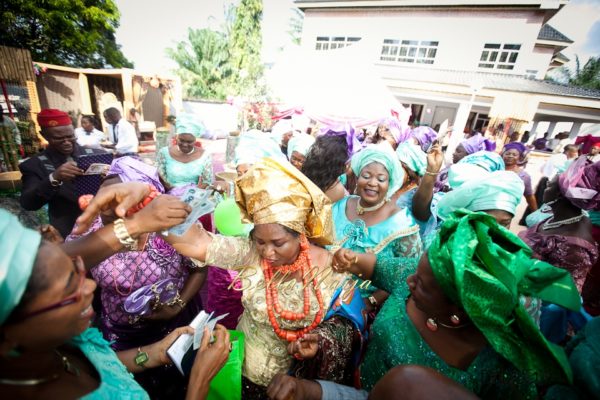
203	62
296	22
77	33
587	77
245	44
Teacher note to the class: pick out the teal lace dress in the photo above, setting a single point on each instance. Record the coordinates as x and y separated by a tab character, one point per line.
115	381
176	173
383	239
395	341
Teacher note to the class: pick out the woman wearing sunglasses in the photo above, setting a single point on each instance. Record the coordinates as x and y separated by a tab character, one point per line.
47	348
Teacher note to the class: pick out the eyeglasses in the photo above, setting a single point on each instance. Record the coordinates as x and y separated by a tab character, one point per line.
74	298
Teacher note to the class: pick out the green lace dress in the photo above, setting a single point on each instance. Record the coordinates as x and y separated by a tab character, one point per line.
395	341
115	381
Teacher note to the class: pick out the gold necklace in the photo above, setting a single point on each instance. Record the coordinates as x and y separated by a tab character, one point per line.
67	366
360	210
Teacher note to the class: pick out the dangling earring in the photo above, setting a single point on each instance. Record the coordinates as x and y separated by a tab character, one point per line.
431	324
454	319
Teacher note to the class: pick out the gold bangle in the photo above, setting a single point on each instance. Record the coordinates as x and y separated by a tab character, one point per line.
431	173
123	235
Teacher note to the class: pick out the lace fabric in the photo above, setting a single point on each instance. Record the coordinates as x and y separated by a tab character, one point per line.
177	173
265	353
396	341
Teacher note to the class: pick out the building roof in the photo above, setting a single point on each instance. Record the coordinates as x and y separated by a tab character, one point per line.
436	3
515	83
560	57
549	33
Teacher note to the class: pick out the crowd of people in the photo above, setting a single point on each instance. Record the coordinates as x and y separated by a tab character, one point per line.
371	270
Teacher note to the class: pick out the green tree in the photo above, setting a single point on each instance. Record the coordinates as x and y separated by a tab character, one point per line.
245	48
203	64
587	77
77	33
296	22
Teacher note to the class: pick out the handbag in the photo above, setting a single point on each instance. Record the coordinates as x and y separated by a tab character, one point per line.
141	302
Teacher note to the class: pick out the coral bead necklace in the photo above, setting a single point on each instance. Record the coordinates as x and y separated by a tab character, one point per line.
302	264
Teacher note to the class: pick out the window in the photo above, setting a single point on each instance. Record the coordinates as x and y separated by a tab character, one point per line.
334	42
409	51
531	73
499	56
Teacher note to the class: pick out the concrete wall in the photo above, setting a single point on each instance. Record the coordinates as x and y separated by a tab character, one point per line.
461	33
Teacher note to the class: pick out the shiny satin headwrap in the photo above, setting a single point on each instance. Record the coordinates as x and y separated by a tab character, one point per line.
473	166
580	183
499	190
399	133
189	123
300	143
387	158
484	268
413	156
425	135
254	145
275	192
19	248
477	143
130	169
348	131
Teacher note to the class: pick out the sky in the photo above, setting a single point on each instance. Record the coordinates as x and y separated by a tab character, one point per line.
148	27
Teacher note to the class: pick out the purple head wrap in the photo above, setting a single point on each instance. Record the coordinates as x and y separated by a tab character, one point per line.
131	169
477	143
520	147
425	135
400	133
580	183
354	145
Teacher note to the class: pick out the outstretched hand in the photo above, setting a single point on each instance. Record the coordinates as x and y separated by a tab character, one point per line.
435	158
304	348
343	260
120	197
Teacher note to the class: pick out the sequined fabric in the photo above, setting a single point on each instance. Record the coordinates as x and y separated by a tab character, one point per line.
396	341
574	254
121	274
265	352
177	173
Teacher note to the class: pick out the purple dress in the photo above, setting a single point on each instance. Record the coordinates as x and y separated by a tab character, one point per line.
574	254
123	273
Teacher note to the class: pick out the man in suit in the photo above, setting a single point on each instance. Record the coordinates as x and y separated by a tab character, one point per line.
48	176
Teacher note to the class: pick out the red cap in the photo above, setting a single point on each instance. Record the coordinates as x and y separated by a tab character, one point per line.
597	144
50	117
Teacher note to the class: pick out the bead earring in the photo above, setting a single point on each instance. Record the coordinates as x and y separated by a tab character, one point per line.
455	319
431	324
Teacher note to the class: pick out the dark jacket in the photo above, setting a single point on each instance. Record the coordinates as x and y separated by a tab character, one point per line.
37	190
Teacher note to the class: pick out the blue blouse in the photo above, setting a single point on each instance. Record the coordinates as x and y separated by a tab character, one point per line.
176	173
115	381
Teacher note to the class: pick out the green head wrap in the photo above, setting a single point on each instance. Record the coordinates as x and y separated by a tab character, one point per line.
483	268
18	249
387	158
413	156
188	123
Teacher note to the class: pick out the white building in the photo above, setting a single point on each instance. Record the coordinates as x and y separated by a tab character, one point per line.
465	61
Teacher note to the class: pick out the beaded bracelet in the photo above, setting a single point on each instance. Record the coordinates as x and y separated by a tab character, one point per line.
153	194
431	173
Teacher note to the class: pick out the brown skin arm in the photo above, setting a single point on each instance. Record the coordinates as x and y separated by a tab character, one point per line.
359	264
194	243
421	203
531	202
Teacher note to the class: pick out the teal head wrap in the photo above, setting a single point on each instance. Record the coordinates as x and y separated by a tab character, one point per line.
484	268
19	247
255	145
385	157
300	143
413	156
500	190
474	166
188	123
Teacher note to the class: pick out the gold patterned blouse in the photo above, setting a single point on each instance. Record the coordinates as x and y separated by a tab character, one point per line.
265	352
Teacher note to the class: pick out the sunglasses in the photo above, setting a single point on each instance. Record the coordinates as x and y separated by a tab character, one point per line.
71	299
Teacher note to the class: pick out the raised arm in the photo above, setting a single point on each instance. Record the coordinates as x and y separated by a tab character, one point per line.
421	204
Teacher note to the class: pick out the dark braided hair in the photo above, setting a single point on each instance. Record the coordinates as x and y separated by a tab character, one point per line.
326	160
